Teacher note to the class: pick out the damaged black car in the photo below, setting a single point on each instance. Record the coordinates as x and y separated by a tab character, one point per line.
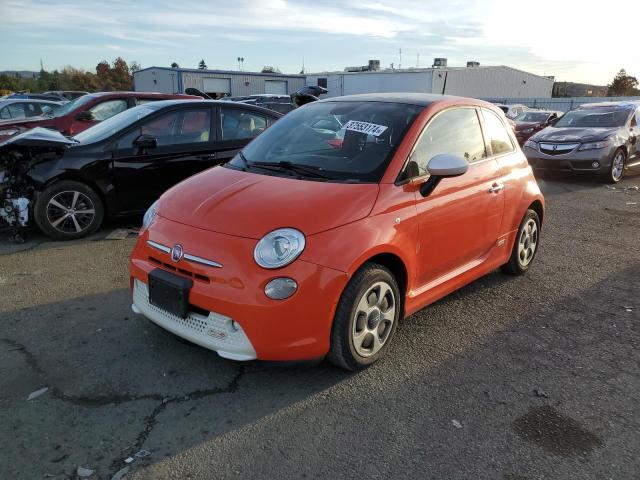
67	185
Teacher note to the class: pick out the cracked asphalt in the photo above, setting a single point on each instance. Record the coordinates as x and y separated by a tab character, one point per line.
509	378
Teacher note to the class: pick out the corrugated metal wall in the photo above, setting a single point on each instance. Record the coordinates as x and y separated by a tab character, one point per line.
480	82
156	80
560	104
241	84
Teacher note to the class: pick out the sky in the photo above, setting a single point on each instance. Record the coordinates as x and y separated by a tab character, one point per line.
573	40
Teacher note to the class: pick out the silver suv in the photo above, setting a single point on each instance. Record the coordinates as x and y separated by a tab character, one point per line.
598	137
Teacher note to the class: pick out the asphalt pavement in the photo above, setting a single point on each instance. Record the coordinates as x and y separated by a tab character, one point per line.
535	377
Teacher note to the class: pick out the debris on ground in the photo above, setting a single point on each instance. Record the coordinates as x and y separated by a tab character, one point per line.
142	454
632	203
128	460
83	472
456	423
627	308
37	393
540	393
121	233
120	473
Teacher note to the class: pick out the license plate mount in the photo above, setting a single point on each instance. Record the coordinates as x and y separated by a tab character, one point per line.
169	292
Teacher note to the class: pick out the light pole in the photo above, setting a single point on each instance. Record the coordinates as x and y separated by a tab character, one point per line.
240	63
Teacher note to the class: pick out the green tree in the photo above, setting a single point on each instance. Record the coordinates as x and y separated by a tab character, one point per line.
202	65
623	85
175	65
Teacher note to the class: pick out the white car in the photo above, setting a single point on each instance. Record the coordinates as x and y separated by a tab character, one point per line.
512	111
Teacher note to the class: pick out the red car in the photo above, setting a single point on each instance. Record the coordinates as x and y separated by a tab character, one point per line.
85	112
302	246
532	121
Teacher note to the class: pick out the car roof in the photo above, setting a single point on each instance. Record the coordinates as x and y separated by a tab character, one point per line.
167	103
138	94
417	99
7	101
627	104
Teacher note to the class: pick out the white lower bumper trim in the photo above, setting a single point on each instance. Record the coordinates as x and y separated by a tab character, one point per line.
214	332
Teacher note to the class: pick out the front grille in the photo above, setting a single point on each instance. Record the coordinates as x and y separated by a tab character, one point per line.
557	148
185	272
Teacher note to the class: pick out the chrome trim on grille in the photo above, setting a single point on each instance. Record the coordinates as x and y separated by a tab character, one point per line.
203	261
186	256
158	246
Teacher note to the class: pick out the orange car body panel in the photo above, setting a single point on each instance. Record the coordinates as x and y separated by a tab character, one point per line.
448	239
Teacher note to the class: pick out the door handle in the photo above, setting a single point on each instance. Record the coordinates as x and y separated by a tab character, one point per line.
496	187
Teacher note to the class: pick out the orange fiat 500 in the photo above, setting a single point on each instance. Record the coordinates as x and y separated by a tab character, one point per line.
345	216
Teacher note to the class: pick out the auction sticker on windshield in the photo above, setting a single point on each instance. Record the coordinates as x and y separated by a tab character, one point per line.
365	127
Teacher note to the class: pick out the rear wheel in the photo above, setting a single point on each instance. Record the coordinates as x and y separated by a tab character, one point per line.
67	210
366	318
525	246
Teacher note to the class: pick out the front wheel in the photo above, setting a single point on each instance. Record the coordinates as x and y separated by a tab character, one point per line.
366	318
525	246
616	170
68	210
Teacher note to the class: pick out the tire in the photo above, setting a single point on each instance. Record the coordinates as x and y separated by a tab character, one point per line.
517	265
616	171
355	328
55	204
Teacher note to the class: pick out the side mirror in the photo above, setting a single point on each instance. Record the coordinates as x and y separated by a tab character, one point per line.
443	166
146	141
85	116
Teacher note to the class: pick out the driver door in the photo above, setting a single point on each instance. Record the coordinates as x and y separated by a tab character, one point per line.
184	148
459	222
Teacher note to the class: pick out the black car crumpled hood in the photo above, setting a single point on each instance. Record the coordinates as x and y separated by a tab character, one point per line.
572	134
38	137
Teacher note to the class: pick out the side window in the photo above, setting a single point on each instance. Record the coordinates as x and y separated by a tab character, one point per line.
32	109
496	133
5	114
455	132
16	110
173	128
238	124
635	118
142	101
108	109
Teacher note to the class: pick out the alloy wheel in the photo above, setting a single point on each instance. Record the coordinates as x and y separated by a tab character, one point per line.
617	166
527	242
70	212
373	319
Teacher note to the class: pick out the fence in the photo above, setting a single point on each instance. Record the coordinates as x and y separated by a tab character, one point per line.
561	103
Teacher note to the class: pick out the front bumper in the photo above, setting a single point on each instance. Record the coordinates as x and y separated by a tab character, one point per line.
297	328
575	161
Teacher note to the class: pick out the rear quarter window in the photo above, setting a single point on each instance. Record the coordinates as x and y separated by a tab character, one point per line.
496	134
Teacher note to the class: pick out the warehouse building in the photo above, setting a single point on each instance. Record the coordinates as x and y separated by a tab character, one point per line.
471	81
216	83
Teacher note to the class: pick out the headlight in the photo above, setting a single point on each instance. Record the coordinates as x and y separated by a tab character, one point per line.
527	130
279	248
594	145
149	215
531	144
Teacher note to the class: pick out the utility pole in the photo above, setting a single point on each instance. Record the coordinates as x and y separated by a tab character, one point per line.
400	62
417	60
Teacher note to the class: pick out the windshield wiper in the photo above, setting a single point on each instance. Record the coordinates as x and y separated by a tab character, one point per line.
305	170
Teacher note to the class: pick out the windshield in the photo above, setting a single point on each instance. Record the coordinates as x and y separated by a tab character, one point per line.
339	141
72	105
599	117
532	117
113	125
504	108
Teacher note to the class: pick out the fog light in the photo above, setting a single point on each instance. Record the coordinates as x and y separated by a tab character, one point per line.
595	164
280	288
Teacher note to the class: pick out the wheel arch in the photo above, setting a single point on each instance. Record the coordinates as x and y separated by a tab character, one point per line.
76	177
537	207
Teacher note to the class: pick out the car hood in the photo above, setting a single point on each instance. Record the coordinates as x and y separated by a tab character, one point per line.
38	137
525	125
553	134
250	205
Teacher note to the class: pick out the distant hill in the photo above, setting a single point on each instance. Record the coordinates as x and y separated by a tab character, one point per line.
21	73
